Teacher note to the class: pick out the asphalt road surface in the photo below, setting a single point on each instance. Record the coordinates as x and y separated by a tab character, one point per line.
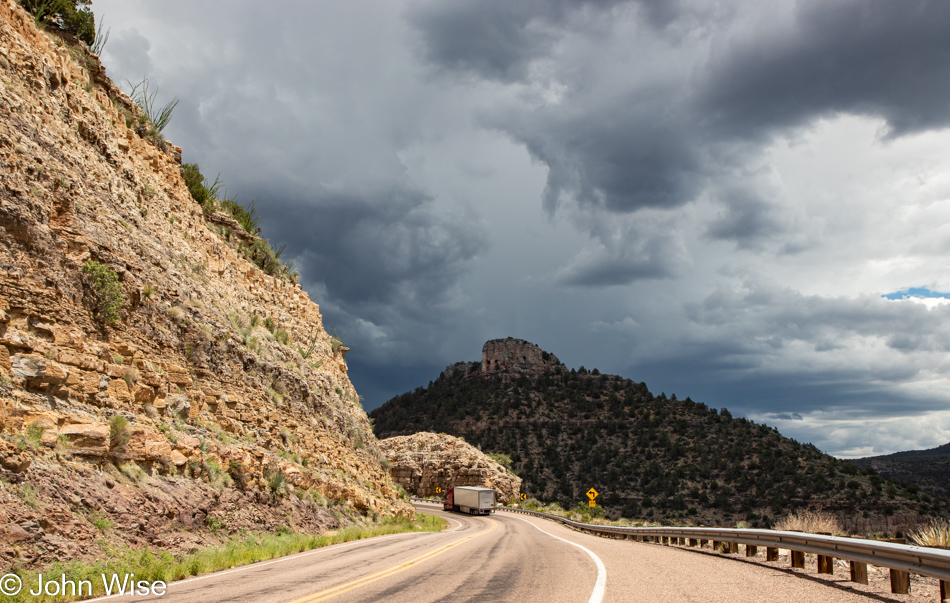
504	557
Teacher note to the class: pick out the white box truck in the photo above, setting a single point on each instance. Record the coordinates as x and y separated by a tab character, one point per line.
474	501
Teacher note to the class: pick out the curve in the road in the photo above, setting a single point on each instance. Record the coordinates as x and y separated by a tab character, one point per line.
600	585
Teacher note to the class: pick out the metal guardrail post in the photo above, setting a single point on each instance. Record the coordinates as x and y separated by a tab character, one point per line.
751	550
771	553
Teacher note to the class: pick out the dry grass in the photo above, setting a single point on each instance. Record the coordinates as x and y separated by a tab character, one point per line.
812	522
937	533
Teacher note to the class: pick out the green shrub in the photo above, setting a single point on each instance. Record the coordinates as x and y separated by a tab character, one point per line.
34	433
246	216
118	431
107	290
276	483
73	16
502	459
102	523
202	190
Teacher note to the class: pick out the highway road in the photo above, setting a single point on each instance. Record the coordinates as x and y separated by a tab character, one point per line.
504	557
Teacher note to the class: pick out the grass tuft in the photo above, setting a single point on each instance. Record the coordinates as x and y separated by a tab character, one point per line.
158	117
811	522
937	533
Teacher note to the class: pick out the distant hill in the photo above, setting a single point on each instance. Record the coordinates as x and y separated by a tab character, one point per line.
929	469
649	456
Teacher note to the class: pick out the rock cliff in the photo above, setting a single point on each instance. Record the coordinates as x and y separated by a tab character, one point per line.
216	397
423	462
515	357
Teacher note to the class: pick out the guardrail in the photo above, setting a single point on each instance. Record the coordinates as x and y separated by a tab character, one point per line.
900	559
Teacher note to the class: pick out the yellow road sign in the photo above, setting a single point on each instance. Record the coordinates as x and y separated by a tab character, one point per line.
438	490
591	503
524	496
592	494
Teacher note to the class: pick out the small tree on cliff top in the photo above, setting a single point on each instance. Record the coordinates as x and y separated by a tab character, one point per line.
73	16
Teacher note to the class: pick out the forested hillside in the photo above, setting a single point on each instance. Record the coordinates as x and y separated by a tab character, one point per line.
929	469
650	456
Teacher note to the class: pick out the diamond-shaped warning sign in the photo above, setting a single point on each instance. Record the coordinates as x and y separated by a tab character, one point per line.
592	494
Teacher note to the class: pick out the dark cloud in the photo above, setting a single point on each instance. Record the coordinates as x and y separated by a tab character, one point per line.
657	130
784	416
385	248
868	57
659	143
748	220
498	39
624	255
619	159
490	39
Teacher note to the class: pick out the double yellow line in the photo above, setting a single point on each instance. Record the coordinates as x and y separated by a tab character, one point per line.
329	593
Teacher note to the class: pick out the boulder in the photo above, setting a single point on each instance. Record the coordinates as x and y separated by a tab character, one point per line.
87	438
426	464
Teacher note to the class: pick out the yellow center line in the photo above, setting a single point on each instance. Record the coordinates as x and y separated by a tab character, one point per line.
329	593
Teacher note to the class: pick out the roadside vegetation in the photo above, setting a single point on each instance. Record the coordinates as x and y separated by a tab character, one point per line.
936	533
241	549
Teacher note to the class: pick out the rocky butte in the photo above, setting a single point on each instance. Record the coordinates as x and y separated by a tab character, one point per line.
506	358
213	397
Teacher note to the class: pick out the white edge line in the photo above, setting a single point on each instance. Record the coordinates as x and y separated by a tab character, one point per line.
596	595
272	562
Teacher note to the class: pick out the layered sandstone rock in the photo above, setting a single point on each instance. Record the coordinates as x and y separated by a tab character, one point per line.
426	464
189	364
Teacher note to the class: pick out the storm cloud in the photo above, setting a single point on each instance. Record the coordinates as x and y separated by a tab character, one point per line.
711	197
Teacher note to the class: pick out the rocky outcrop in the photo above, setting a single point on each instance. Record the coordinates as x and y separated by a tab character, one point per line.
516	357
426	464
188	382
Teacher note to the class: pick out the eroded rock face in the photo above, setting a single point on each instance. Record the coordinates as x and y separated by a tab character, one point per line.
205	387
424	462
515	357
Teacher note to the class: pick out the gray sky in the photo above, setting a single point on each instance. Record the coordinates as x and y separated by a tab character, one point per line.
711	197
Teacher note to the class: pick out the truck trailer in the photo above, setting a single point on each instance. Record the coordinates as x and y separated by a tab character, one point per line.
474	501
